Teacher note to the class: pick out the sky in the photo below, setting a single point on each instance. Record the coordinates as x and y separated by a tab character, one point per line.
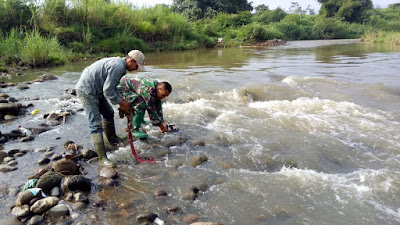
272	4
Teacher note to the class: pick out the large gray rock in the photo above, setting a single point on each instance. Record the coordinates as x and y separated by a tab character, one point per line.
76	183
58	211
43	205
11	109
48	181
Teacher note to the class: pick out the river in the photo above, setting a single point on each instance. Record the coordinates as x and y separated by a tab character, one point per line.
306	133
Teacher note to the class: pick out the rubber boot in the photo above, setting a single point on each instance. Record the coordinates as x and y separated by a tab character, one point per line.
100	149
112	140
137	121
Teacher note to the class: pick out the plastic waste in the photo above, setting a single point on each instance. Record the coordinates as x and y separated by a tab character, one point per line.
34	112
30	184
158	221
172	128
25	131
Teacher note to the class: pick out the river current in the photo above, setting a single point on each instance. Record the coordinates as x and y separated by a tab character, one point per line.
306	133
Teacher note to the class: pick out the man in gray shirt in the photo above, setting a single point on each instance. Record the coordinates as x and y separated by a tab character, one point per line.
98	85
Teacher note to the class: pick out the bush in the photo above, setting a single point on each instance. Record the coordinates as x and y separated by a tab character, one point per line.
10	47
39	50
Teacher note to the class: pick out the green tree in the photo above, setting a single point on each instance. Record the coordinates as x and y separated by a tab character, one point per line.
198	9
347	10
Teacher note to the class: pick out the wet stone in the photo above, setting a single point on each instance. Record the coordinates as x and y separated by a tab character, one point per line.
159	193
66	167
108	172
44	161
8	159
19	154
80	197
55	192
11	153
58	211
190	218
146	217
12	163
35	220
43	205
48	154
198	160
79	206
56	157
7	168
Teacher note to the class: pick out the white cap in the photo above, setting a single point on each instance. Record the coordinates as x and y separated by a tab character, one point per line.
138	57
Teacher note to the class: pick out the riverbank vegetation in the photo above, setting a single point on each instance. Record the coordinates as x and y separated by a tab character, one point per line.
51	32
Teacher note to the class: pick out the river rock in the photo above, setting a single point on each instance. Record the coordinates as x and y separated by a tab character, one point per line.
12	99
58	211
198	160
24	198
76	183
10	221
79	206
44	161
159	193
80	197
146	217
189	195
24	211
56	157
8	159
45	77
48	181
190	218
3	155
88	154
197	143
7	168
22	86
55	192
4	95
10	117
48	154
12	163
172	209
35	220
43	205
12	152
26	139
66	167
19	154
108	172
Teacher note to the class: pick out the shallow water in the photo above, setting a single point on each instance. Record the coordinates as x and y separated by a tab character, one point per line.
331	107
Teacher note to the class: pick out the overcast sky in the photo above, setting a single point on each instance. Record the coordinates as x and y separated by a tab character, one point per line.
272	4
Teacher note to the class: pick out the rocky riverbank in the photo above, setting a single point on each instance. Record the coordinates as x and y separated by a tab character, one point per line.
65	185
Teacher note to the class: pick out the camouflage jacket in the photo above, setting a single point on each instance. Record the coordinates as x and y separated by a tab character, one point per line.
141	92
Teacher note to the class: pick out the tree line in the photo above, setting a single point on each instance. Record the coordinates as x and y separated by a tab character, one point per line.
55	31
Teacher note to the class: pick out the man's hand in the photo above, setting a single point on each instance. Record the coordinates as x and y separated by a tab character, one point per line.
124	106
163	127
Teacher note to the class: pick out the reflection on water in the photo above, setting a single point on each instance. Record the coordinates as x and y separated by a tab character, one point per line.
305	133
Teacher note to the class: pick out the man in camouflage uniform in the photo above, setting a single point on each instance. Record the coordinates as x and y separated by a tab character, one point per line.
144	94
